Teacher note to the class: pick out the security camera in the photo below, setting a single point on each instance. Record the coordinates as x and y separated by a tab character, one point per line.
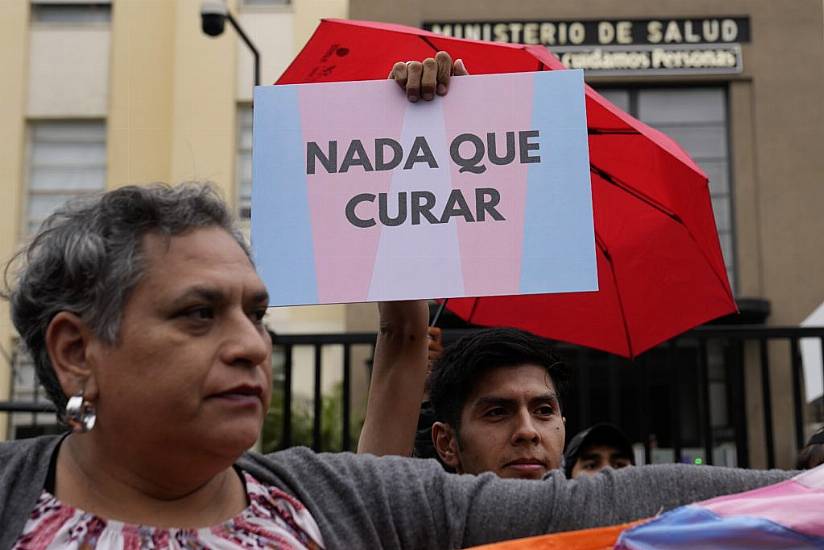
213	17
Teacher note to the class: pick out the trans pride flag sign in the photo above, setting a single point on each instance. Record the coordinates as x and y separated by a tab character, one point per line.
360	195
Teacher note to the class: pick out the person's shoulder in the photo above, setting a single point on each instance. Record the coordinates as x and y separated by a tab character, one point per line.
18	447
25	452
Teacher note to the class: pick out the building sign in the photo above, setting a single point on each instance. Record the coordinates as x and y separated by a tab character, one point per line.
624	60
602	32
622	46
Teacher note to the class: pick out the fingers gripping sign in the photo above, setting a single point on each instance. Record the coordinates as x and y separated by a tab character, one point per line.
424	80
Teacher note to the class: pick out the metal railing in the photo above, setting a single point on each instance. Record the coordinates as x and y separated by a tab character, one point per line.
286	345
688	395
674	390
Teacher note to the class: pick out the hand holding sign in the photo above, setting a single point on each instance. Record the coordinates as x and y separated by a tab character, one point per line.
398	369
425	79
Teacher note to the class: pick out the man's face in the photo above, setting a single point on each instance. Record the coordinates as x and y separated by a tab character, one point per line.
192	362
595	458
511	424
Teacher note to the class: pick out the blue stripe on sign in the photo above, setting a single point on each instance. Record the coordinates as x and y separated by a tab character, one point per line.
696	527
559	239
281	225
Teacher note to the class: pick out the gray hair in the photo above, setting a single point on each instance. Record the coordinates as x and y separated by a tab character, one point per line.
86	258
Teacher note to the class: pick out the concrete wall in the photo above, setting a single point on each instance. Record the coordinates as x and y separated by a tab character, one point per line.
139	124
72	79
308	14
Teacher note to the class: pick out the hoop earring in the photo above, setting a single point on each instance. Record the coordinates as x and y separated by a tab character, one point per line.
80	414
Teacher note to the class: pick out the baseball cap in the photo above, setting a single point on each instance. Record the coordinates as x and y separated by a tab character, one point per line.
602	433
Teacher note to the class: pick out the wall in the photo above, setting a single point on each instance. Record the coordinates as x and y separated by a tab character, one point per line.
68	79
139	124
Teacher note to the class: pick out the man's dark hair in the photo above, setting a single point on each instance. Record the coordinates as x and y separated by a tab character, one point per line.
460	366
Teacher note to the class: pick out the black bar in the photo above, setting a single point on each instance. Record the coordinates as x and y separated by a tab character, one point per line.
766	398
347	393
736	395
704	388
821	398
347	338
643	406
286	437
584	391
715	331
317	403
675	401
26	407
249	44
798	407
756	331
614	376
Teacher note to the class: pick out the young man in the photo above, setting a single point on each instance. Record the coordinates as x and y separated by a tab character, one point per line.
496	400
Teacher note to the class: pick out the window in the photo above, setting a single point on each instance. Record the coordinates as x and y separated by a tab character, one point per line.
70	11
66	160
696	118
243	172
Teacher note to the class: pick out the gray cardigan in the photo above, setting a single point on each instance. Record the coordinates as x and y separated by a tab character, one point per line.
361	501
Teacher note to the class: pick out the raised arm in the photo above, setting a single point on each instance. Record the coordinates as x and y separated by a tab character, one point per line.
398	376
400	366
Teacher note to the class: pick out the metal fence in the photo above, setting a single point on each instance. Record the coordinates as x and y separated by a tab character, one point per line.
685	400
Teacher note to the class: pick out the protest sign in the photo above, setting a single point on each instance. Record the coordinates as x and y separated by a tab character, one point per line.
360	195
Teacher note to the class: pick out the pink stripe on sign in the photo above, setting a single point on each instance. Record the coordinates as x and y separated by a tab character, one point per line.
788	503
344	254
491	251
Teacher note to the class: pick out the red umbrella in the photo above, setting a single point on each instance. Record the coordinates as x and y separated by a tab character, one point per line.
660	268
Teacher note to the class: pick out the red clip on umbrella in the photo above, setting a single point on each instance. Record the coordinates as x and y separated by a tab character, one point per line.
660	269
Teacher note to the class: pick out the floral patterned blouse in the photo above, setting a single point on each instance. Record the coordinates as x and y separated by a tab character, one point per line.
273	519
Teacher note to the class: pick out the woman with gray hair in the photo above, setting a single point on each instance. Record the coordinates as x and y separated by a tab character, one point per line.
143	313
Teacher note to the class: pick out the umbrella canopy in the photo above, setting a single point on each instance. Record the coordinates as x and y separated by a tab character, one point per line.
660	268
